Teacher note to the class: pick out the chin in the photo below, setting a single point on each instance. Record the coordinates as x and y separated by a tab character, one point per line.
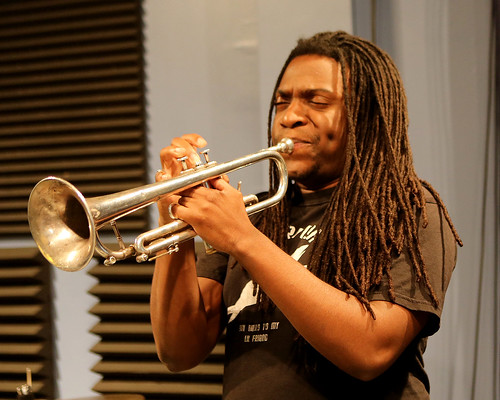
299	176
299	169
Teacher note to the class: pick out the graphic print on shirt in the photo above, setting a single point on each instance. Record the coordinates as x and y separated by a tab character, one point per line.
248	296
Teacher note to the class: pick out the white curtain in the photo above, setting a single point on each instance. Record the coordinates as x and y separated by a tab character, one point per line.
445	52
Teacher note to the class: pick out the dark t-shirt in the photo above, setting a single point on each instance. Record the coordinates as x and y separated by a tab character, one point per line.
261	348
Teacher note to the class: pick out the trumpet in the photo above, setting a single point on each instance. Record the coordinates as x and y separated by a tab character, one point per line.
65	225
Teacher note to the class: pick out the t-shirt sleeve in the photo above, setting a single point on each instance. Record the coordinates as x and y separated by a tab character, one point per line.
438	246
212	266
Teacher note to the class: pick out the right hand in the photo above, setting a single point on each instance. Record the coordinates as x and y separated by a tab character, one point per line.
186	145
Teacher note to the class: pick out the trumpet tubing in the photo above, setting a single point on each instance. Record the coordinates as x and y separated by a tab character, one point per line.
65	225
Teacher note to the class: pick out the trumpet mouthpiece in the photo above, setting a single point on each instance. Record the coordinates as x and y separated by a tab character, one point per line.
285	146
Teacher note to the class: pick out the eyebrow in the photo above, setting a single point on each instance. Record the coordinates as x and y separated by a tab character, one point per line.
305	92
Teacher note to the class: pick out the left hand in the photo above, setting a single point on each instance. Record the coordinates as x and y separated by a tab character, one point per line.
186	145
217	214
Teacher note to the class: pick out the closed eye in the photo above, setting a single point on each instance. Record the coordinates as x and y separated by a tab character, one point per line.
281	102
317	99
319	103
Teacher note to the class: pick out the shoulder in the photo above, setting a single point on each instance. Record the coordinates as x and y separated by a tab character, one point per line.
435	234
438	248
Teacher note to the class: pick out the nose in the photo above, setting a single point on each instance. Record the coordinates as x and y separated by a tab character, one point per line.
294	115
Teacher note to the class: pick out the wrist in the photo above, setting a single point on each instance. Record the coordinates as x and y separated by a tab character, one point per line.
247	243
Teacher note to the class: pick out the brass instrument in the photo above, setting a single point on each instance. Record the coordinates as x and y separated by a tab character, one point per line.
64	224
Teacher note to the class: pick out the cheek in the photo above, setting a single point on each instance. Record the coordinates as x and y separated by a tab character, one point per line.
274	131
338	122
332	146
335	136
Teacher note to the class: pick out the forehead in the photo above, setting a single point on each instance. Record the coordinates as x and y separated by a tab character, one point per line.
310	72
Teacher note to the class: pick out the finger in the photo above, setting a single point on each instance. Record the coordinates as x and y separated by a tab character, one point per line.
182	201
165	201
190	192
163	207
224	177
172	152
190	143
195	140
162	175
175	210
220	183
185	145
169	159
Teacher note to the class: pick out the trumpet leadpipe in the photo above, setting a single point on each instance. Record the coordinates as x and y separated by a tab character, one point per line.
64	224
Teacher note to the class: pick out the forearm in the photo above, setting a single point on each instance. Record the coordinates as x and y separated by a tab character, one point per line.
337	325
184	329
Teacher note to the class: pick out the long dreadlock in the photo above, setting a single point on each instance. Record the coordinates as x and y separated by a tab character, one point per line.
372	216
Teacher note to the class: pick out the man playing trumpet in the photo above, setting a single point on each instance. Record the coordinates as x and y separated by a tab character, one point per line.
333	292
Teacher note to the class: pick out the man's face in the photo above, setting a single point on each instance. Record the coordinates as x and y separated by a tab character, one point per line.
310	110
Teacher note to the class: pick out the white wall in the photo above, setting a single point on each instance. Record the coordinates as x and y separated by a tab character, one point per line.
212	65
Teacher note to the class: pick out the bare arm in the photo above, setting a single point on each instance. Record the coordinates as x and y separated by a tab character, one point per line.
185	310
335	324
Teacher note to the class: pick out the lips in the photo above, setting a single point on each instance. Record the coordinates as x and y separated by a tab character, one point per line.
301	150
298	141
299	144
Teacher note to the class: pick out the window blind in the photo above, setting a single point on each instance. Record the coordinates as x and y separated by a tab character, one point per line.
72	105
26	336
129	362
71	101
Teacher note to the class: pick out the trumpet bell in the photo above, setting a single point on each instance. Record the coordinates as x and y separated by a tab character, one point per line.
65	225
61	224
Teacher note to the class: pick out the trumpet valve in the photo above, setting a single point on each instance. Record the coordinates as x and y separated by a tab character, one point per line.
183	161
204	153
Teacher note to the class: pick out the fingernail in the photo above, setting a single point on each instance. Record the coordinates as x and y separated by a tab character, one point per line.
195	158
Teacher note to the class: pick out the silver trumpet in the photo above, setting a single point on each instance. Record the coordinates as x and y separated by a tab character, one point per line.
65	225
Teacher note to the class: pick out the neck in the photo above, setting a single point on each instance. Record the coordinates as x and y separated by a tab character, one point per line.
304	188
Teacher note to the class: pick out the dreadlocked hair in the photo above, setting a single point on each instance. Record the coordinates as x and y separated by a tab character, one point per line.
372	214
